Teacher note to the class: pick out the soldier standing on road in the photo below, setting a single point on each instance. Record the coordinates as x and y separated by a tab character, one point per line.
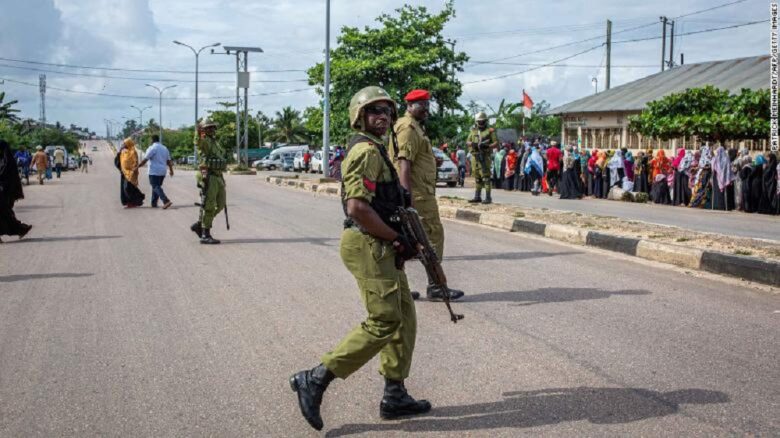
482	139
373	250
213	161
413	158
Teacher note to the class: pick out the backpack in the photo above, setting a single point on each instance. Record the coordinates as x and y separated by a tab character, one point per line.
117	162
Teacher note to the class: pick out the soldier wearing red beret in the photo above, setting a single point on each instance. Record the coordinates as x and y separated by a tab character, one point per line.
413	157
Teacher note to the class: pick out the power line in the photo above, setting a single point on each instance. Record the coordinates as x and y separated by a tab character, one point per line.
695	32
538	30
709	9
93	93
535	68
51	64
139	79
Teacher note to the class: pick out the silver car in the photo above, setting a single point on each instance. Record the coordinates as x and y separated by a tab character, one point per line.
447	172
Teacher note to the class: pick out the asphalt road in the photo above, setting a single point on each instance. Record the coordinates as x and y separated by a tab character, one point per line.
118	323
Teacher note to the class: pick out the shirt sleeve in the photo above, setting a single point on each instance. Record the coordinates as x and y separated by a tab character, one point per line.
360	172
407	149
150	153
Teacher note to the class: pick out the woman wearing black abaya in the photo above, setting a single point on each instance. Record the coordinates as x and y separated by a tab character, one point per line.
10	192
681	189
756	184
745	172
570	182
769	185
641	171
722	177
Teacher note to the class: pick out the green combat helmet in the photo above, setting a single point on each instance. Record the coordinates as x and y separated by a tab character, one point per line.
365	97
207	123
481	116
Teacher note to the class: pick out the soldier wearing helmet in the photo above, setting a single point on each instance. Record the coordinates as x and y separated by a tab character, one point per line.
370	242
213	161
482	139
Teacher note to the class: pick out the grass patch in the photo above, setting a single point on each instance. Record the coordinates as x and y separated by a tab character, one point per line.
518	214
655	236
682	239
587	225
743	252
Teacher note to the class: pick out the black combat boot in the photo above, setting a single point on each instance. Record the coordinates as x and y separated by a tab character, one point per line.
488	199
396	402
435	293
415	295
197	229
310	386
206	238
477	197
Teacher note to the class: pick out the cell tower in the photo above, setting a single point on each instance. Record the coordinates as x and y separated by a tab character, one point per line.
42	88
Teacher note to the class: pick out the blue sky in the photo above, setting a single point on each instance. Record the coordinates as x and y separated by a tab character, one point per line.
138	34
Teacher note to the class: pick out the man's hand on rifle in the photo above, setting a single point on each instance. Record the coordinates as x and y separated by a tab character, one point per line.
405	248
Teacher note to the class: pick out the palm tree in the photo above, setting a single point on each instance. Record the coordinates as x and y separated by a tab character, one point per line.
288	126
7	112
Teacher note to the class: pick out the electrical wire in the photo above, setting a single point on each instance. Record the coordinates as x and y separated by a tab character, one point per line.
51	64
750	23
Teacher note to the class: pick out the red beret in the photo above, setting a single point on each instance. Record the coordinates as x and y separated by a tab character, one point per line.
415	95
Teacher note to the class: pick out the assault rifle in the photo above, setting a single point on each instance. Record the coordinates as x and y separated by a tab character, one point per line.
413	229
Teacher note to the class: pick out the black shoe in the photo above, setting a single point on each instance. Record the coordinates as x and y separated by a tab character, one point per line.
310	386
396	402
415	295
197	229
206	238
435	293
25	229
477	197
488	200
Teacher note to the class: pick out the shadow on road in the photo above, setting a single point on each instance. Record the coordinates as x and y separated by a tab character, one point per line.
524	409
508	256
24	277
548	295
319	241
62	239
35	207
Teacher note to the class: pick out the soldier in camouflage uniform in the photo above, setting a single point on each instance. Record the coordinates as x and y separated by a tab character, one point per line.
213	161
482	139
373	249
413	158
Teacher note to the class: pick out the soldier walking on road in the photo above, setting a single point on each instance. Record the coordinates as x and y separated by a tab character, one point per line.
213	161
413	158
482	139
373	249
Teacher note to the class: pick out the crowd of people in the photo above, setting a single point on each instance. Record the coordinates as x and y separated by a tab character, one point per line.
708	178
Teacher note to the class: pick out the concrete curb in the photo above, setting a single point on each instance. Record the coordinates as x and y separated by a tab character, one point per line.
748	268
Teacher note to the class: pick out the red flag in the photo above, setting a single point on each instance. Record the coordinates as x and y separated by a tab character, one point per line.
527	102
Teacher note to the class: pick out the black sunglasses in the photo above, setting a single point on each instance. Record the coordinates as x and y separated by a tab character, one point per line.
379	110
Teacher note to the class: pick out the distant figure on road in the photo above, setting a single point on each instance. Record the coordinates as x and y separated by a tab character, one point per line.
10	192
306	161
41	162
128	165
59	160
159	158
23	160
335	163
84	162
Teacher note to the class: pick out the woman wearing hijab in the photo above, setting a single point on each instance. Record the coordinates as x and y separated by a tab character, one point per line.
722	181
523	180
745	177
591	173
628	166
600	179
128	165
736	168
662	169
616	172
10	192
641	181
701	179
509	172
570	183
534	169
681	189
756	183
767	204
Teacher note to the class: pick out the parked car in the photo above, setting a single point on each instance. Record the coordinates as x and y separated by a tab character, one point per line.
94	149
191	160
447	171
298	160
316	161
287	163
73	164
271	162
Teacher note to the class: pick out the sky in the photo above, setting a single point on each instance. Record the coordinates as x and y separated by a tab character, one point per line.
138	34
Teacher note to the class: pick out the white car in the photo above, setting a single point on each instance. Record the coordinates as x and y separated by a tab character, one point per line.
271	162
447	171
316	161
298	161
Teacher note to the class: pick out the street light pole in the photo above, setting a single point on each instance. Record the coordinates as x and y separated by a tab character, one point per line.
161	93
140	114
197	62
326	101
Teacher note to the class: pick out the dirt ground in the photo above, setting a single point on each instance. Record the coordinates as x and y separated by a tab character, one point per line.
766	249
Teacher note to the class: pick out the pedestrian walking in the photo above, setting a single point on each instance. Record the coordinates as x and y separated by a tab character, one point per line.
41	162
159	158
23	161
10	192
306	161
416	165
213	161
553	167
84	162
371	248
128	163
59	160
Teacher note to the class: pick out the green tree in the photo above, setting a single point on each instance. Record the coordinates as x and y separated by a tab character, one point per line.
7	110
312	121
288	127
130	127
406	51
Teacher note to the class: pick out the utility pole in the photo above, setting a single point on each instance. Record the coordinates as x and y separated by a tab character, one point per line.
326	100
141	115
242	81
671	46
664	20
609	51
160	91
42	89
452	45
